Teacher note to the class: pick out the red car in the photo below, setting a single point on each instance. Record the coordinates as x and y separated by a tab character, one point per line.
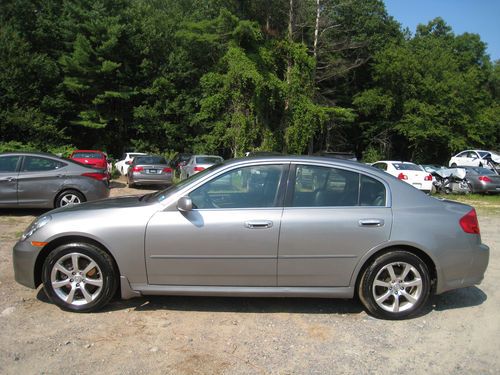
93	158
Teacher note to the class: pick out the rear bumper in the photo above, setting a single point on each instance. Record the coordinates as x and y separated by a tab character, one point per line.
139	179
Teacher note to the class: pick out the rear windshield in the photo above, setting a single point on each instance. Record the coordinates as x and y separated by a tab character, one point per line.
483	153
406	167
150	160
208	160
88	155
481	171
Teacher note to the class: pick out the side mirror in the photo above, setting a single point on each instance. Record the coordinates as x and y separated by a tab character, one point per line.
185	204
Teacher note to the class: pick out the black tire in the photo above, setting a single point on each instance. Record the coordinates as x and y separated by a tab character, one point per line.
67	196
378	271
103	272
454	165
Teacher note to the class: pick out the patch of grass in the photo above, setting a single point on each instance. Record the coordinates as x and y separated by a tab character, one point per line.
469	198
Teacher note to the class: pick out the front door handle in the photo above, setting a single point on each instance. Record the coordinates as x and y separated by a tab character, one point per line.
371	223
258	224
8	179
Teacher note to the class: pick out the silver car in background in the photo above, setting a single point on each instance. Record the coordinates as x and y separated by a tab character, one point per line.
37	180
271	226
198	163
149	170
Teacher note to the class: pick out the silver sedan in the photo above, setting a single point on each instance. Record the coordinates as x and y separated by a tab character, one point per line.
272	226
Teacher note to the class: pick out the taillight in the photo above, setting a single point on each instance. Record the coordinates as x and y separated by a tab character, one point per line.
469	222
167	170
137	169
402	176
484	179
96	176
428	177
198	169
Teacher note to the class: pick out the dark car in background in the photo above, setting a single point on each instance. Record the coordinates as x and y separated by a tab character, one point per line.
482	180
149	170
36	180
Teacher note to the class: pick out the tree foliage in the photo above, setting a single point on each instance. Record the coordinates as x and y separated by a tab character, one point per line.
228	76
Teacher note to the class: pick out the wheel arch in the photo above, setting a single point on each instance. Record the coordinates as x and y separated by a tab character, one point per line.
429	262
54	244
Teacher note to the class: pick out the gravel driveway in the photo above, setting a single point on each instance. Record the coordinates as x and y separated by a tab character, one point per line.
459	333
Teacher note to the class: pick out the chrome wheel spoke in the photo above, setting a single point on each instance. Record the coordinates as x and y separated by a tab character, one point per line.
71	295
383	284
383	297
406	271
409	297
74	262
60	284
59	267
87	269
392	274
86	294
416	282
395	305
94	282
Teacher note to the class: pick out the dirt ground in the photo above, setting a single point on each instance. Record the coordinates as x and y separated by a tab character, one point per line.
459	333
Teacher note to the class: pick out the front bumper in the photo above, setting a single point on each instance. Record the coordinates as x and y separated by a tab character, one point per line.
24	258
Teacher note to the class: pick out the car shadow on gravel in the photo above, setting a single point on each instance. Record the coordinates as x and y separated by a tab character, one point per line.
16	212
116	184
455	299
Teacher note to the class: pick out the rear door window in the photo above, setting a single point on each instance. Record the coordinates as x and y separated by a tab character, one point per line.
39	164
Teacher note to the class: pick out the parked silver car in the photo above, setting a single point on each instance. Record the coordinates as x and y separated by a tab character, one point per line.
198	163
37	180
149	170
273	226
482	180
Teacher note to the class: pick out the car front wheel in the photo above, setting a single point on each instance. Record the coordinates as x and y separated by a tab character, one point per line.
79	277
395	285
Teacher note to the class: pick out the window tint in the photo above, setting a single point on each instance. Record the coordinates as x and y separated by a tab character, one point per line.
248	187
150	160
382	166
406	167
88	155
372	192
38	164
322	186
8	163
483	154
208	160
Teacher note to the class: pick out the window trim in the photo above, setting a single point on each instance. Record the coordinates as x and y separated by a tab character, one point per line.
291	187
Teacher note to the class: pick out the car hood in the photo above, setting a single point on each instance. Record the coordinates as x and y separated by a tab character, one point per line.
109	203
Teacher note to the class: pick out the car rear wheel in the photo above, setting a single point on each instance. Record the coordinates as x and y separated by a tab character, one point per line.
395	285
79	277
69	197
454	165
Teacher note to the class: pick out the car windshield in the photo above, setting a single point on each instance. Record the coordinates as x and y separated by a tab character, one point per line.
87	155
150	160
162	194
406	167
208	159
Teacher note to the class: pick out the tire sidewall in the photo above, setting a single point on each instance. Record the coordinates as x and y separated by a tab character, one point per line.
104	262
368	278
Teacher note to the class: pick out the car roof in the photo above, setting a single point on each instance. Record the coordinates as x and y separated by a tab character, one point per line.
394	161
29	153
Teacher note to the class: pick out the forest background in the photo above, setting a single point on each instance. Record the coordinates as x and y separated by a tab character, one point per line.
228	76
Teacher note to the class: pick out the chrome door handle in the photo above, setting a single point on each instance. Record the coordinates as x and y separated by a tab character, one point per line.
258	224
8	179
371	223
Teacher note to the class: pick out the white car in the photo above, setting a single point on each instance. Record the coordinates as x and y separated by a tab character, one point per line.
408	172
474	158
123	164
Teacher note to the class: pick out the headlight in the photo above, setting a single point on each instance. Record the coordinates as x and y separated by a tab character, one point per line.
34	226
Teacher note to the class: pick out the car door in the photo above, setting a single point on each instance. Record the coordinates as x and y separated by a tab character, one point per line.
327	225
230	238
39	180
9	165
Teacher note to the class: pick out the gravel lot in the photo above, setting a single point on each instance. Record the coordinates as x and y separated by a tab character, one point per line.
459	333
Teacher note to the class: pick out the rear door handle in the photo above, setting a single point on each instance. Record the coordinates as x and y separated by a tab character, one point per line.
8	179
258	224
371	223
